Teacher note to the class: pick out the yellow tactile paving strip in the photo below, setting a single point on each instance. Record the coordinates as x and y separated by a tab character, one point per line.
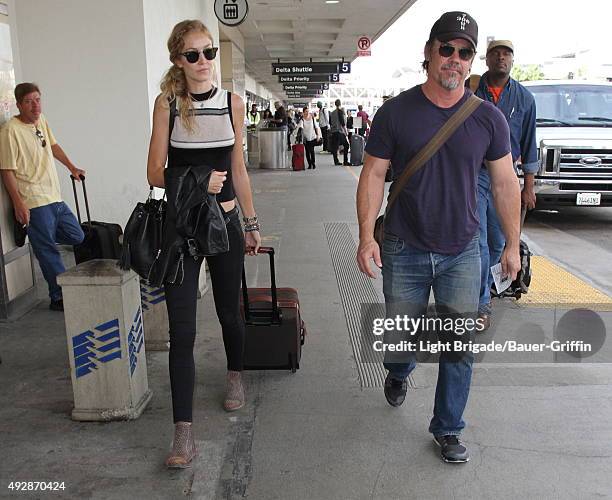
552	285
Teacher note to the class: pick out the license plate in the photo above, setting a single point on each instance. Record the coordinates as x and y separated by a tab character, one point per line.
588	199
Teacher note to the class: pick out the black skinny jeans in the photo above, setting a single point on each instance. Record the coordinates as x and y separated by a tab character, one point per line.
181	301
310	152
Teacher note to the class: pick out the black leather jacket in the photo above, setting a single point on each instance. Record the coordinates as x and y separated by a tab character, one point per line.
195	224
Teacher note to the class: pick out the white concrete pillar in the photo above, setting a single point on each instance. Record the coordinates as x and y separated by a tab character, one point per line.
105	334
155	316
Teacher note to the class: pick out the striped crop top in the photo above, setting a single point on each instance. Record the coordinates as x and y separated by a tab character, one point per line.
212	142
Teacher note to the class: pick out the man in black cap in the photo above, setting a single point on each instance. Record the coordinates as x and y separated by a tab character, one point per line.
431	231
519	107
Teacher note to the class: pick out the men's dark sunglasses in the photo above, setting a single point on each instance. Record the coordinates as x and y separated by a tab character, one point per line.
193	56
465	54
40	135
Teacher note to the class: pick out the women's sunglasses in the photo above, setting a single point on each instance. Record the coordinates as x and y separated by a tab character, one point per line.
193	56
465	54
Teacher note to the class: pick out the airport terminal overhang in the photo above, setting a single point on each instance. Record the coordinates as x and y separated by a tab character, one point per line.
301	30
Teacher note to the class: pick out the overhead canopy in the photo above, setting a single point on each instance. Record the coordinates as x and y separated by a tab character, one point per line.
298	30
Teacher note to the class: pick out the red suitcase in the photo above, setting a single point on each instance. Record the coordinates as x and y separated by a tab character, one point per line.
274	327
297	160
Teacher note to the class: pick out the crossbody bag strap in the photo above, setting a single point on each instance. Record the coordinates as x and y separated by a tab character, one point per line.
435	143
173	113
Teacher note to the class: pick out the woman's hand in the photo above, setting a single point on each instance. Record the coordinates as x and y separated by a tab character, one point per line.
215	184
252	242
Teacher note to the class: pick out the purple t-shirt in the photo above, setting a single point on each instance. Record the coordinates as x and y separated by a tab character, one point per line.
436	210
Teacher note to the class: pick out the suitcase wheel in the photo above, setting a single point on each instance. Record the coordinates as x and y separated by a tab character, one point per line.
293	363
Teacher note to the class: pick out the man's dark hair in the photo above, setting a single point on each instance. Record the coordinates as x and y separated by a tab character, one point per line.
425	63
360	107
23	89
337	103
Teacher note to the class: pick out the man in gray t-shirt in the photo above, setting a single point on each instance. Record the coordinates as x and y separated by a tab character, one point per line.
431	232
337	127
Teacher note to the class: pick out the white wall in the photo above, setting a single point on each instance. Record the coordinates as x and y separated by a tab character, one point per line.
99	65
89	59
160	16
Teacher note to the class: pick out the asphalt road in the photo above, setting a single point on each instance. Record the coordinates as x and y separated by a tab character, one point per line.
580	239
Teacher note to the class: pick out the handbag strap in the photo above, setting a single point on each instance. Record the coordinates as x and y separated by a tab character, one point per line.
435	143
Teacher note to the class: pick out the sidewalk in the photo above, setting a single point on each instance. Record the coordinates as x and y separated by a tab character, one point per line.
534	430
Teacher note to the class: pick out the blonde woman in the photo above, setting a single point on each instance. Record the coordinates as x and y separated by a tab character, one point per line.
311	134
198	124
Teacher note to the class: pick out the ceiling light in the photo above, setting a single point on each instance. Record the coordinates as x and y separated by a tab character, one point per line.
332	1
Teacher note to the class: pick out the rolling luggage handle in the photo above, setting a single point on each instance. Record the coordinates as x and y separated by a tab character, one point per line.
76	200
276	317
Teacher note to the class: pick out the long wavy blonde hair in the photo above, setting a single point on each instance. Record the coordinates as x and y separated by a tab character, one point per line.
174	82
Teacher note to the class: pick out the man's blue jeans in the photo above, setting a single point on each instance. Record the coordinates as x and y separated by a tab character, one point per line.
492	240
51	225
409	274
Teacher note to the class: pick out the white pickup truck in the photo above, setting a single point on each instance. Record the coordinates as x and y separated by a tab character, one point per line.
574	137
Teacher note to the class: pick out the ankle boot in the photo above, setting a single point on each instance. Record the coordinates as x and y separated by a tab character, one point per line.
234	397
183	447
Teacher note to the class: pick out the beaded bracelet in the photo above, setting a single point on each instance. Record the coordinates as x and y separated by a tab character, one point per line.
251	227
249	220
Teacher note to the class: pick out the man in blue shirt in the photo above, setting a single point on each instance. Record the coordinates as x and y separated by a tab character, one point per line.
518	106
431	231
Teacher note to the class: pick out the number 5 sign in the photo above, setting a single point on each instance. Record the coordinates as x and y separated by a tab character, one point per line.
363	46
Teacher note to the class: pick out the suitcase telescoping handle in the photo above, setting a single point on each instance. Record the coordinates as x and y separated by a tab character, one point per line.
76	199
245	295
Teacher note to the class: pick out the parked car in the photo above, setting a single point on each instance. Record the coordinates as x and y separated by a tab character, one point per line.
574	136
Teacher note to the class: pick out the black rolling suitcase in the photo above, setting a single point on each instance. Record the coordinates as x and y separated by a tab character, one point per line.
356	152
274	328
102	239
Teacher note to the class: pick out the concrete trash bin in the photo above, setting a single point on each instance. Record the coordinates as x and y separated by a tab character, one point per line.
105	334
155	317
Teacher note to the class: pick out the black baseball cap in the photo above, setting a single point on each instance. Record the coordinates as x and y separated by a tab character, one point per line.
453	25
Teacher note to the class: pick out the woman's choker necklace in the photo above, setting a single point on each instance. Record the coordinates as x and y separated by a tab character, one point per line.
204	96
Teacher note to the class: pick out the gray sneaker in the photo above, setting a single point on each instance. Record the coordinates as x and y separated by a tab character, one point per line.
451	449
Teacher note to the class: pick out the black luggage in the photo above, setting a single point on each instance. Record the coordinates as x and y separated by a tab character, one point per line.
274	328
356	152
523	279
102	239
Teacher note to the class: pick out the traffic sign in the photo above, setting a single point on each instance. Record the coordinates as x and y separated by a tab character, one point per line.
305	86
309	68
300	104
363	46
333	78
231	12
303	96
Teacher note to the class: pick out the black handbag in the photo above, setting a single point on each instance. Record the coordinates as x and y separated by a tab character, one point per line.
430	149
142	239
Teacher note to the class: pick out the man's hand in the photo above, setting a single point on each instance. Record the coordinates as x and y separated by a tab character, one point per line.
528	198
511	262
22	214
76	173
368	250
215	184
